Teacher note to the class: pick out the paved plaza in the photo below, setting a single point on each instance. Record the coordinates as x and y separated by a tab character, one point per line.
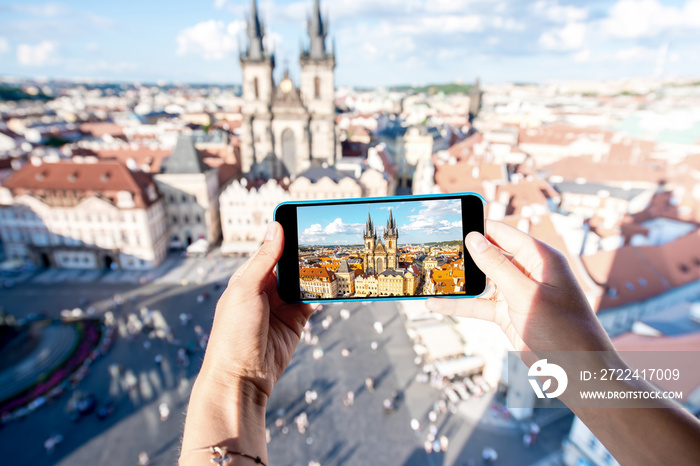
362	434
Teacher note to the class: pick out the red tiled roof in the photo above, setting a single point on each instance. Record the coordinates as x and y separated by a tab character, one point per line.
104	178
100	128
639	273
603	171
311	273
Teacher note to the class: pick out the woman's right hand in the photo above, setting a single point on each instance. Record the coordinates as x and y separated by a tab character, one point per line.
537	302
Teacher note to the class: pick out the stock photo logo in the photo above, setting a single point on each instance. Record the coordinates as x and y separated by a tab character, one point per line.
544	369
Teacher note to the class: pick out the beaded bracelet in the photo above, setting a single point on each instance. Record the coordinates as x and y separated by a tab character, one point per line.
221	455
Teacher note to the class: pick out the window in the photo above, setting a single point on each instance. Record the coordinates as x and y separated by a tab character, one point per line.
184	198
174	220
317	87
255	88
187	219
198	219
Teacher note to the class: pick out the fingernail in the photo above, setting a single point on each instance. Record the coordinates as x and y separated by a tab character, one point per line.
271	232
477	241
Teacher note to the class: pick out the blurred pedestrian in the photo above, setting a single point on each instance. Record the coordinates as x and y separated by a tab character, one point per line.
369	383
302	422
388	405
349	399
310	396
164	411
143	459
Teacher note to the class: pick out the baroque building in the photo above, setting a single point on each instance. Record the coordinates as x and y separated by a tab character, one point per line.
83	216
377	257
285	128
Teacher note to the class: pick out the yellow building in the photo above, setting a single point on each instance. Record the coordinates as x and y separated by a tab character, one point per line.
318	282
366	285
390	283
411	282
430	262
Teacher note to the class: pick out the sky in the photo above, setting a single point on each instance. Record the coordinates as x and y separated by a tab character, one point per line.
417	221
379	43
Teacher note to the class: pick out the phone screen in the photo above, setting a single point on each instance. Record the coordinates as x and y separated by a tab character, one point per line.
383	250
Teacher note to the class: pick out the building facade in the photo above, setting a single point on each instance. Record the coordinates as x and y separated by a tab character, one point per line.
191	192
317	282
246	210
285	128
83	216
346	279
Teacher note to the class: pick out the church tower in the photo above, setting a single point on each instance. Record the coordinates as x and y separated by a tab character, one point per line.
318	88
370	237
391	236
475	94
257	150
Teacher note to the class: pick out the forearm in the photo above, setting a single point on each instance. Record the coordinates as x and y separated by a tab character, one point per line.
230	415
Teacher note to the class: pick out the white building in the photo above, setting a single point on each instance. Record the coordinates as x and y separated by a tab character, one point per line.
246	210
83	216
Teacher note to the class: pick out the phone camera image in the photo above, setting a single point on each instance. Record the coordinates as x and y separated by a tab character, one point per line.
381	250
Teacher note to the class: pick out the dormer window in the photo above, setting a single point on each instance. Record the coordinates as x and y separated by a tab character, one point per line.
72	177
41	176
105	177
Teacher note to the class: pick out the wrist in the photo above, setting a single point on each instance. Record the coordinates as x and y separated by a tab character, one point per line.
230	414
230	391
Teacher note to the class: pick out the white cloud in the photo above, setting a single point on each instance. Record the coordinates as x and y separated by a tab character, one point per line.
272	41
212	39
92	47
47	9
37	55
582	56
551	10
570	37
4	45
338	227
431	218
219	4
635	54
314	229
631	19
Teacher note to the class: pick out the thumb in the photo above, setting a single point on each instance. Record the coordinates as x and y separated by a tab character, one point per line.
260	267
496	266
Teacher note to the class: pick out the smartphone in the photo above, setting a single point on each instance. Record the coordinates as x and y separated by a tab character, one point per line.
403	247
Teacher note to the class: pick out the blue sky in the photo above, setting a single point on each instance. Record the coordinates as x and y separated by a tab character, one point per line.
418	221
378	42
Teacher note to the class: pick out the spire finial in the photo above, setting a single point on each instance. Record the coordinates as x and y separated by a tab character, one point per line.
317	33
255	31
